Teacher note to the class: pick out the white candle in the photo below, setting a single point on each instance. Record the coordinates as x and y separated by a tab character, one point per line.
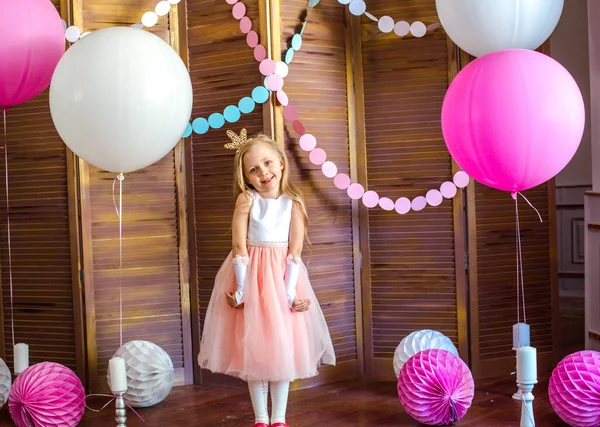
526	364
21	357
521	334
118	374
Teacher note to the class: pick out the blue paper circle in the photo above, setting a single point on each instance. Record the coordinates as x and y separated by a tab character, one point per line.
260	94
216	120
313	3
232	114
188	131
296	42
200	125
289	55
246	105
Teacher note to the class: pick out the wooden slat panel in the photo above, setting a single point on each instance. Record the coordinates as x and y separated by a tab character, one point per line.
223	71
150	274
322	109
40	237
496	274
413	275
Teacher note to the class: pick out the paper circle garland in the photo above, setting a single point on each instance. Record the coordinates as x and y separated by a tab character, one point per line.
47	394
574	389
436	387
417	341
5	381
150	373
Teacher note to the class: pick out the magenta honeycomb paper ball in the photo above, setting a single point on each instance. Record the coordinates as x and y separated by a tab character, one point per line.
435	387
47	394
574	389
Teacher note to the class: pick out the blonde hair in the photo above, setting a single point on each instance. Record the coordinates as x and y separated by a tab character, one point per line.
287	187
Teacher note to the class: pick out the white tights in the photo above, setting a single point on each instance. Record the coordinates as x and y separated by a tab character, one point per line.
259	391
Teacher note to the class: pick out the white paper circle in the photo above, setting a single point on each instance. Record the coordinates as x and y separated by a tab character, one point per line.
357	7
72	34
149	19
418	29
162	8
282	69
386	24
402	28
174	1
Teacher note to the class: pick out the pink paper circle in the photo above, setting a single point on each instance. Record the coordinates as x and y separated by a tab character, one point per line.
342	181
282	98
461	179
232	1
370	199
260	52
274	82
307	142
355	191
386	204
329	169
289	112
448	189
252	39
418	203
434	198
245	24
299	127
317	156
267	67
402	205
239	10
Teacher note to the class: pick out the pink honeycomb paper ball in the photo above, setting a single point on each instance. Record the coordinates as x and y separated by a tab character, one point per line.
47	394
574	389
436	387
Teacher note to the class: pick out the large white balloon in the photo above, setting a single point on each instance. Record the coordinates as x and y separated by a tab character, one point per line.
121	98
483	26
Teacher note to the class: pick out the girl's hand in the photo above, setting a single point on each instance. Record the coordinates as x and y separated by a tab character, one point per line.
232	301
300	305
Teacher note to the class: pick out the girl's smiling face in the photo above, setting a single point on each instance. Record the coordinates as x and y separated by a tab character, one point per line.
263	169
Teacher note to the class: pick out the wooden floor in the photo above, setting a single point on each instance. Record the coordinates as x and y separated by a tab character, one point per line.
351	403
355	403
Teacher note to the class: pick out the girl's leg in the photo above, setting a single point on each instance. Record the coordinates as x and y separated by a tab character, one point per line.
259	391
279	398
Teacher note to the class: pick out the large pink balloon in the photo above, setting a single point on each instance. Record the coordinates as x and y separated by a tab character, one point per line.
32	41
513	119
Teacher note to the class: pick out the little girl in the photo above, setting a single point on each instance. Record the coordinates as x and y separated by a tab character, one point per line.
263	323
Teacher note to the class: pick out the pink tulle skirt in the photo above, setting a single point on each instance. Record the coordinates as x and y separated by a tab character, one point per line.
265	339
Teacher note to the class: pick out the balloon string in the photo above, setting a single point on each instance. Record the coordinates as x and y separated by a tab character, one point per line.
119	211
10	274
108	403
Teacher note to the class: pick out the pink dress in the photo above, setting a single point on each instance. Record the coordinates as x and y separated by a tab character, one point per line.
265	339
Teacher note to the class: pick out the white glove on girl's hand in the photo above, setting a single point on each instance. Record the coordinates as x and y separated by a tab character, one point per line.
291	278
240	265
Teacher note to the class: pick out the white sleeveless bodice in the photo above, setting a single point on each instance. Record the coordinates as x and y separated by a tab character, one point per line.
270	219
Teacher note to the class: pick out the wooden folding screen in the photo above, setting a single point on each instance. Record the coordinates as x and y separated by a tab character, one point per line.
318	87
154	265
46	293
413	271
223	71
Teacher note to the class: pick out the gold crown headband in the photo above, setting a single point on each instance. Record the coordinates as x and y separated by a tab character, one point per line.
237	142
